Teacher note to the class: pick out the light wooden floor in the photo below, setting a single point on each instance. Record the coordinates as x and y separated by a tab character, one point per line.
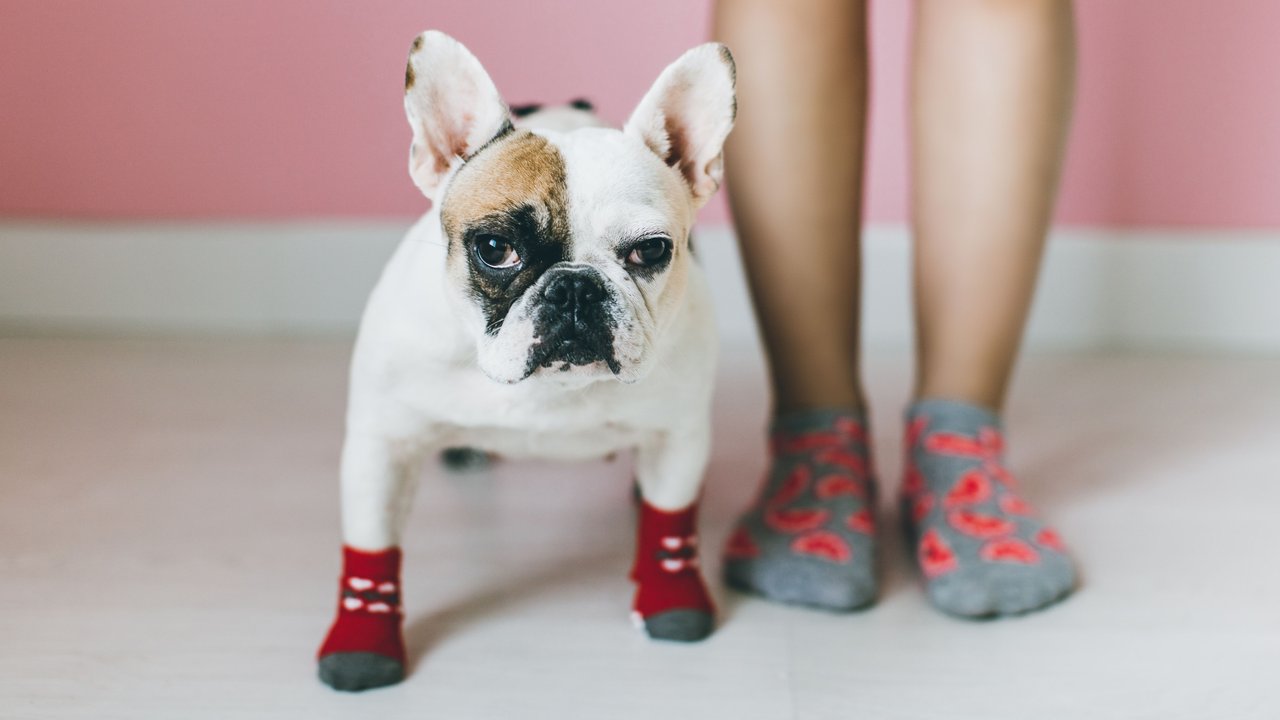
168	542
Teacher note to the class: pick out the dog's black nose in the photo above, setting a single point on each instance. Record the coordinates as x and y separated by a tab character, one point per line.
571	290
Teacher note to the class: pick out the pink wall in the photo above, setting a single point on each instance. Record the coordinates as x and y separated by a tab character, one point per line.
284	108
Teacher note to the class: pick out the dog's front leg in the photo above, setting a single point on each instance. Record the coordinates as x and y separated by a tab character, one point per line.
671	600
364	648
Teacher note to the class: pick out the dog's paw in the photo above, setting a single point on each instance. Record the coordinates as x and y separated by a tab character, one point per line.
463	459
355	671
680	625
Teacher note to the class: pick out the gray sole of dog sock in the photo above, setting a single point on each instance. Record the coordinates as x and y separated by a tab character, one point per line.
355	671
680	625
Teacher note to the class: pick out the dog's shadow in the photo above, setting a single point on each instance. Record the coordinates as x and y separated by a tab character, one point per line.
607	564
429	630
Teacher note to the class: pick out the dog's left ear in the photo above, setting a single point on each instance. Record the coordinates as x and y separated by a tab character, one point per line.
687	114
453	107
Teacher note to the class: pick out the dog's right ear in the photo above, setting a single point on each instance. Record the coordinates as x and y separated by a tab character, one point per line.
453	107
687	114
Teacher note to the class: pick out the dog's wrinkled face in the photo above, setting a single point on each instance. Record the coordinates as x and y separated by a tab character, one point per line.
568	252
571	249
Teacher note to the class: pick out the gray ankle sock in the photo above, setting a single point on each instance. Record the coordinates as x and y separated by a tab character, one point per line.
809	539
982	550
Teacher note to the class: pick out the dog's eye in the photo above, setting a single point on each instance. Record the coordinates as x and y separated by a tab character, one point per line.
496	251
650	251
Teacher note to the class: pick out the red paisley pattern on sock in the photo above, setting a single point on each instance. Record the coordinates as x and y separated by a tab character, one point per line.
1049	538
921	506
369	612
912	480
666	569
987	447
815	510
796	520
915	429
863	521
1015	505
842	457
949	443
835	485
851	429
1009	549
793	487
979	525
972	488
935	555
823	544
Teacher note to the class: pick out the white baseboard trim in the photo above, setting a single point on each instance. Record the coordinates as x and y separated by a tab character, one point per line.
1100	288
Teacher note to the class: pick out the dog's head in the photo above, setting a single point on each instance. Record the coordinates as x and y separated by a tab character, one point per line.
568	252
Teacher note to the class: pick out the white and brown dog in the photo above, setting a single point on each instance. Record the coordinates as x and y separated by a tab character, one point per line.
548	305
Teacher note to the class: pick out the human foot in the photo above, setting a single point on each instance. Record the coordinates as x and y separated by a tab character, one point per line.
982	549
809	539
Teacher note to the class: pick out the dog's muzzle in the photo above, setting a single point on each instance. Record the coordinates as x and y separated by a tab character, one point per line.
573	324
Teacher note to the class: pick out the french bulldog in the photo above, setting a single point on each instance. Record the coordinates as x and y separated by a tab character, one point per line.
548	305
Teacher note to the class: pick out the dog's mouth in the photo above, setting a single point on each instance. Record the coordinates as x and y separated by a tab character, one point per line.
566	350
573	325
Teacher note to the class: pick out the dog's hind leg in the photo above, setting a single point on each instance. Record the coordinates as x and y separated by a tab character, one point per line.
671	600
365	648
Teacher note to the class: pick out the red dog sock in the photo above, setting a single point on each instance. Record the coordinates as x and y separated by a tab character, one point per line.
364	648
671	601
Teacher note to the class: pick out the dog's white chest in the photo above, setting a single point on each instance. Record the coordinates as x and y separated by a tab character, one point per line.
552	444
544	422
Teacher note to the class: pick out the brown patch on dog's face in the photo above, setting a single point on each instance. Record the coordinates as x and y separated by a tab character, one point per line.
408	76
514	189
515	170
